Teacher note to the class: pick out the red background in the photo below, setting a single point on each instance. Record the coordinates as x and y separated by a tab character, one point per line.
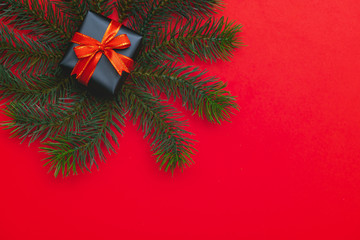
287	167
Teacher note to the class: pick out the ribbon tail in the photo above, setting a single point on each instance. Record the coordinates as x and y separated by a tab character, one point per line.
85	68
120	62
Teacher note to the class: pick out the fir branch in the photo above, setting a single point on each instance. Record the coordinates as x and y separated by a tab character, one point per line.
25	53
206	96
209	40
42	106
153	14
36	121
68	151
43	20
160	122
74	9
103	7
124	8
41	89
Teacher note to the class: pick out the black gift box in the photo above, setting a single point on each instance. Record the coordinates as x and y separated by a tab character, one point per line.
105	80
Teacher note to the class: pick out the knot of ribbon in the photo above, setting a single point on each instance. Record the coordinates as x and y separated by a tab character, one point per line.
90	51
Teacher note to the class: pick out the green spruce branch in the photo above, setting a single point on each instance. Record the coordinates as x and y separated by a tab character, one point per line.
25	53
123	8
209	40
74	9
29	89
153	14
41	19
204	96
104	7
161	123
31	122
68	151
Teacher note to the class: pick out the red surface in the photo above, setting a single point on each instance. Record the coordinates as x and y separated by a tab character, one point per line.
287	167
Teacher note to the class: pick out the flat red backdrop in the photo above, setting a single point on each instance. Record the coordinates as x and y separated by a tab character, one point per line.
287	167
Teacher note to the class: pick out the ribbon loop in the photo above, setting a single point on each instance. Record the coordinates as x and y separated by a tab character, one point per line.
90	51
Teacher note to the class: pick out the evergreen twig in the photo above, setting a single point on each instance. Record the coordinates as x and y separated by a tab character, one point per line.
35	121
205	96
25	53
101	6
42	19
160	122
41	89
209	40
152	14
67	151
74	9
124	8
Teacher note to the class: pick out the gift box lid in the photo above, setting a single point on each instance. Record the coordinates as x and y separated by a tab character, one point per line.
105	80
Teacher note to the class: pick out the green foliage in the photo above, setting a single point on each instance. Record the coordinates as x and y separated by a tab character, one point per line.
160	122
43	19
206	96
207	40
101	6
124	8
82	147
34	90
152	14
35	121
25	53
76	127
74	9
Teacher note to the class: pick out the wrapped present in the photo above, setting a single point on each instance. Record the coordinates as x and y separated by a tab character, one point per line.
101	54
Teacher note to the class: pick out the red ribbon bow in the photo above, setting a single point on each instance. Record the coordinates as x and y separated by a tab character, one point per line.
90	51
